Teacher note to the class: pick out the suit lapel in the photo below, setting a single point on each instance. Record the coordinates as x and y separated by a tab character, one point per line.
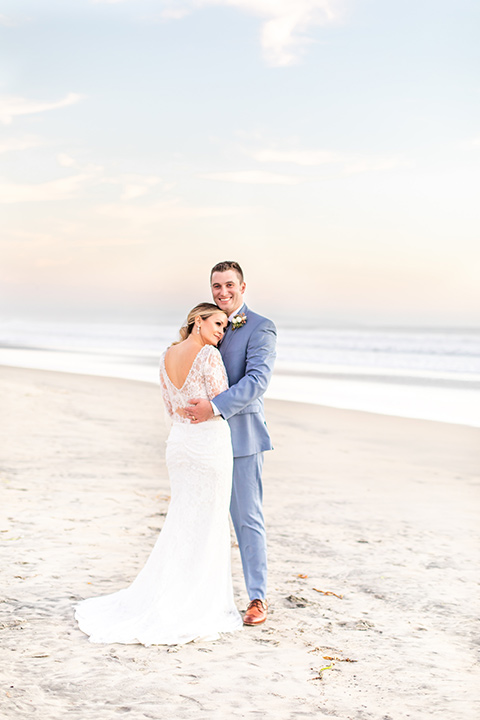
230	331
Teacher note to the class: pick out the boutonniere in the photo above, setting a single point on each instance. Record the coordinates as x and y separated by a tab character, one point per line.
238	321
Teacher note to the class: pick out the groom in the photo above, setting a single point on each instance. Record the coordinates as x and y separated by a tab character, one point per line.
248	352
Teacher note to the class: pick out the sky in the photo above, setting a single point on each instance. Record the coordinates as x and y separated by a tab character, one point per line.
332	147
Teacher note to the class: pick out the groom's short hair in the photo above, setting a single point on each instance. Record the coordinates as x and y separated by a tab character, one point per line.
228	265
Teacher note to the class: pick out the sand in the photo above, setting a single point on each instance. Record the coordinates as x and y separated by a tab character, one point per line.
383	512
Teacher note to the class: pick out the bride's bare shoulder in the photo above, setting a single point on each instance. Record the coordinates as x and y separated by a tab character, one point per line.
172	350
173	355
178	350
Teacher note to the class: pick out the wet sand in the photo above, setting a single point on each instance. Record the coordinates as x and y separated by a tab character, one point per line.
381	512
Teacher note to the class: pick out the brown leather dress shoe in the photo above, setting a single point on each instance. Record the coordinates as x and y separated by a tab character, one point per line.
256	613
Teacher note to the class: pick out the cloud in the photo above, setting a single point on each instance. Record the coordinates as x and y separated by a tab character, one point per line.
296	157
175	13
53	262
254	177
11	106
33	237
6	21
87	177
352	166
65	160
285	22
176	9
134	186
283	34
20	143
349	164
165	210
54	190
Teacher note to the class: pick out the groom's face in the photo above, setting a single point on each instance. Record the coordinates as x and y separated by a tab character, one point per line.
227	290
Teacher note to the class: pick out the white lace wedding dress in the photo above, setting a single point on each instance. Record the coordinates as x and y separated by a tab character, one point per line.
184	592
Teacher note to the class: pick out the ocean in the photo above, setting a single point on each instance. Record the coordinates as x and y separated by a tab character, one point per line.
427	373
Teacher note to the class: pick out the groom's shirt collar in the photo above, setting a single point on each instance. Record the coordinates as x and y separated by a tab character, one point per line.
237	311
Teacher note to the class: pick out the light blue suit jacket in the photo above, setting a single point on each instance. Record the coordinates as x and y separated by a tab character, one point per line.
249	355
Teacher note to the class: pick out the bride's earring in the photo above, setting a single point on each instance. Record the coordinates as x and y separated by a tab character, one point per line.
198	329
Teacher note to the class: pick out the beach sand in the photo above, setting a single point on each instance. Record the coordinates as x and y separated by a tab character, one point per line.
383	512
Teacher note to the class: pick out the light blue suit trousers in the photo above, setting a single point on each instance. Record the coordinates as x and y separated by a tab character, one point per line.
247	515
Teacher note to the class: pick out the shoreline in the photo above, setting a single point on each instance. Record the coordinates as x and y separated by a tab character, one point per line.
409	395
383	512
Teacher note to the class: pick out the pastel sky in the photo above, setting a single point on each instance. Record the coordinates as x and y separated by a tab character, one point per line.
332	147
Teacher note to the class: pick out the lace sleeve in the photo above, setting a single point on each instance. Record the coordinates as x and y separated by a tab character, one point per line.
216	380
165	395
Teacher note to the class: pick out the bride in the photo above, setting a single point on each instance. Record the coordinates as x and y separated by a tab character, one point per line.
184	592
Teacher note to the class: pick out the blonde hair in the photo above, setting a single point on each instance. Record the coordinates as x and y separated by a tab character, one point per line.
204	310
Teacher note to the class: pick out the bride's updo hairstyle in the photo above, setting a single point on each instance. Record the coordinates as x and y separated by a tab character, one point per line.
204	310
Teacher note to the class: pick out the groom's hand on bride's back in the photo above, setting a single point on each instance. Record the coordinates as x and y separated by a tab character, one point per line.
199	410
